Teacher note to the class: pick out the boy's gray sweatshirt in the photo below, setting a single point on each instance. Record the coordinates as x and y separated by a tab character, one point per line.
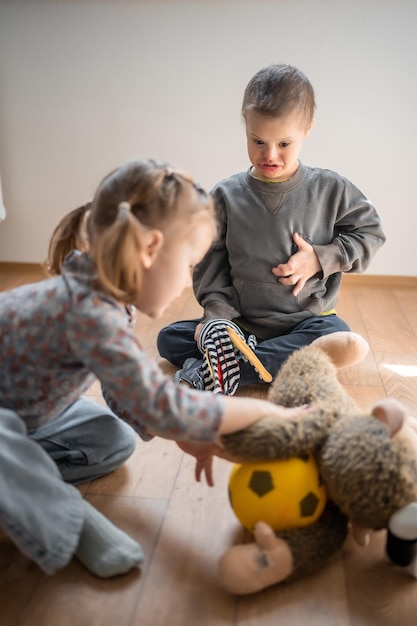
257	222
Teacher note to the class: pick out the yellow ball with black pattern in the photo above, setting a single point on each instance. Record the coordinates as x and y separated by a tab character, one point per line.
284	494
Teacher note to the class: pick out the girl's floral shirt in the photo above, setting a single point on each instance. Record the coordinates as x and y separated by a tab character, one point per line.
59	335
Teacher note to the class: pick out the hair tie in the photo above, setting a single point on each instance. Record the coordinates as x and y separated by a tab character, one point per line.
124	206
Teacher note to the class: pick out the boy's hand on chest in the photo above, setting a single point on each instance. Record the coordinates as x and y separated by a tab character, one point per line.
301	266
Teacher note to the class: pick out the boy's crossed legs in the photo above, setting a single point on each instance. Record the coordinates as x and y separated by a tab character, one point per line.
177	344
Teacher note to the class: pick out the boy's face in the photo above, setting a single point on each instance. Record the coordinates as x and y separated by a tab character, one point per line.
274	144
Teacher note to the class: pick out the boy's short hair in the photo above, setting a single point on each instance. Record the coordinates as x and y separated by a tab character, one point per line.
277	90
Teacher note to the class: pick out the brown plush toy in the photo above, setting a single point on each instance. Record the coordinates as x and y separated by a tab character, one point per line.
368	464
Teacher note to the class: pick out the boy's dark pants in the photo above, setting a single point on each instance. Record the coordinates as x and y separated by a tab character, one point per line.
176	343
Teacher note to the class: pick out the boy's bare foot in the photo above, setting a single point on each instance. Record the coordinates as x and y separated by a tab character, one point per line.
344	348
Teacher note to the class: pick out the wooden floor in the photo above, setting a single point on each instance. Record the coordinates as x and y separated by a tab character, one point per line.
184	526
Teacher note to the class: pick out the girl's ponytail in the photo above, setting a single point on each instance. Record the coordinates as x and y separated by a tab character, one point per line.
115	254
70	234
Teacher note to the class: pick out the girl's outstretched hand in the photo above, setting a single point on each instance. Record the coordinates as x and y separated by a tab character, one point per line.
276	410
203	452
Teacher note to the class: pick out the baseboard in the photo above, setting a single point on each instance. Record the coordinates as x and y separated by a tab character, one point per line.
379	280
358	280
20	268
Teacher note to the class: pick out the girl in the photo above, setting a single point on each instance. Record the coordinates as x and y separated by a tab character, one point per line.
134	246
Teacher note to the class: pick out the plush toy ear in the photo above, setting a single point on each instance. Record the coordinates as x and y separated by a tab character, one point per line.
391	414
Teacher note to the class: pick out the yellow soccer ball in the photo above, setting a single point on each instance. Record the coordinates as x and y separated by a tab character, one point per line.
284	494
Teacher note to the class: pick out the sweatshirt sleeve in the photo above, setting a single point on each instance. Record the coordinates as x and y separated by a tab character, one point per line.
211	279
358	234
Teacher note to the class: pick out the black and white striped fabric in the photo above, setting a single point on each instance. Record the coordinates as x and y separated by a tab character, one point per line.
221	370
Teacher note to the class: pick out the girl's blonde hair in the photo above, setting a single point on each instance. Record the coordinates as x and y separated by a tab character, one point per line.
141	194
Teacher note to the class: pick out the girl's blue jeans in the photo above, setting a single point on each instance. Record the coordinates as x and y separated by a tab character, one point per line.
40	509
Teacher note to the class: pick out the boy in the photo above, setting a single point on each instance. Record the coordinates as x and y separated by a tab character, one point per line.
287	232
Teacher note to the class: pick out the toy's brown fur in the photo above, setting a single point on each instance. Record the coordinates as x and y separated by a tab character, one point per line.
307	377
368	474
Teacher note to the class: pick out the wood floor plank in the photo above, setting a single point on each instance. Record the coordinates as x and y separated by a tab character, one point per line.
365	373
15	274
407	299
19	578
348	309
386	325
365	396
198	527
324	601
399	376
379	593
75	597
150	472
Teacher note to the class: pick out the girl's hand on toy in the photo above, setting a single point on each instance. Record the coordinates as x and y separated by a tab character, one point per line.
296	412
300	266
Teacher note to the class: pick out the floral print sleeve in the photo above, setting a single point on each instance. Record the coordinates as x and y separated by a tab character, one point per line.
59	335
134	385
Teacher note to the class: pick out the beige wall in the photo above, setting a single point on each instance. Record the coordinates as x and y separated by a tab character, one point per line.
2	207
88	84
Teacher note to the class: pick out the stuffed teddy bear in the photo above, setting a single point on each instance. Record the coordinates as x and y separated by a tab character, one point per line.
368	464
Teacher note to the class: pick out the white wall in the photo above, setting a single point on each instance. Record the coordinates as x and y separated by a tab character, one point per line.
88	84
